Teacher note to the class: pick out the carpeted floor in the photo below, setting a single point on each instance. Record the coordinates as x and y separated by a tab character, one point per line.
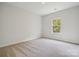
41	48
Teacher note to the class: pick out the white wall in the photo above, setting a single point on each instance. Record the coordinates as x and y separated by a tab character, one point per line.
69	25
1	31
18	25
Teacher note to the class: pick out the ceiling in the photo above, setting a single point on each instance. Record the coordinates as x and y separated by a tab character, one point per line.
44	8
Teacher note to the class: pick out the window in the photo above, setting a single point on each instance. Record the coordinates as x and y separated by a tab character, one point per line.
56	25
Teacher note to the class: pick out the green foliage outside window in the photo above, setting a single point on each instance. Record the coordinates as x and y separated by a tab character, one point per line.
56	25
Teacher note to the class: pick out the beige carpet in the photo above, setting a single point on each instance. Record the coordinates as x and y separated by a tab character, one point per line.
41	48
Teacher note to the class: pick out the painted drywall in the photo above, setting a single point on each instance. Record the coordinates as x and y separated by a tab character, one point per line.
1	31
18	25
69	25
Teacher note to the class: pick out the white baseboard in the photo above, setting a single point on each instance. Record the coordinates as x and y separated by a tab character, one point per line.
62	40
20	41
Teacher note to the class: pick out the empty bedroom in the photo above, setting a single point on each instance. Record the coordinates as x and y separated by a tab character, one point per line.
39	29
